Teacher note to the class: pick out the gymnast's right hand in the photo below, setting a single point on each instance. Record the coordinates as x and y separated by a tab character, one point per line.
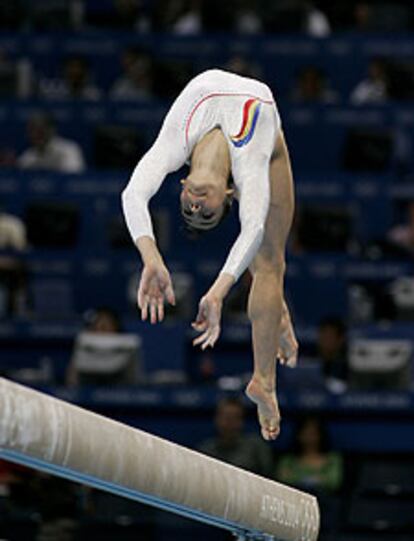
155	288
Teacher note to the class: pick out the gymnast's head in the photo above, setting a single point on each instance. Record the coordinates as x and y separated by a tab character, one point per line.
207	194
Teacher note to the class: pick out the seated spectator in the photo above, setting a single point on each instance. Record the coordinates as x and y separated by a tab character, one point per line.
12	269
49	151
296	16
363	17
374	88
384	16
402	235
231	444
247	18
240	65
332	352
316	22
75	84
189	22
312	87
137	79
311	466
12	233
103	354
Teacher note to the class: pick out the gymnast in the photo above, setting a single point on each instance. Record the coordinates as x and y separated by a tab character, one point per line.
226	126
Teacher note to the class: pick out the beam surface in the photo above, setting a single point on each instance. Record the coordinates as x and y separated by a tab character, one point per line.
51	435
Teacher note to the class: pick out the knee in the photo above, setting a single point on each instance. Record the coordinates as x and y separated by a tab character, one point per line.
270	265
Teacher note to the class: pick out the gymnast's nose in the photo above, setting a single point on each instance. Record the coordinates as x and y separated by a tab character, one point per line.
194	207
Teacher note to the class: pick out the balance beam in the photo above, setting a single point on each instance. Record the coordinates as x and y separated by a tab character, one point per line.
51	435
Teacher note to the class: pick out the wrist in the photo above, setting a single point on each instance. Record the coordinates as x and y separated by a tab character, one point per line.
222	286
149	251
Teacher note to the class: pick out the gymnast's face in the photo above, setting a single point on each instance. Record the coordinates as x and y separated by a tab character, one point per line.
202	203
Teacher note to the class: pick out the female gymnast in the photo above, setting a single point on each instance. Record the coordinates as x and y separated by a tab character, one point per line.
225	125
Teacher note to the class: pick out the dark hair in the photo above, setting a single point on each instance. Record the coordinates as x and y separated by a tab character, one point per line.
335	323
91	316
45	117
324	445
194	233
230	401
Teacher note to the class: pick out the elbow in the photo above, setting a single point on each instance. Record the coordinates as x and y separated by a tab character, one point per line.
127	197
257	232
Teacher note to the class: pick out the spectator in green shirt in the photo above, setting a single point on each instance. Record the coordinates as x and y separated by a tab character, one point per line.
311	466
232	445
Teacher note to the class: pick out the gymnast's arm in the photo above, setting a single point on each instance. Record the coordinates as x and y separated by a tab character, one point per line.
254	197
166	155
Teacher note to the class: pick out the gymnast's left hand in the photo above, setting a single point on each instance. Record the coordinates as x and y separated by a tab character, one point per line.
208	321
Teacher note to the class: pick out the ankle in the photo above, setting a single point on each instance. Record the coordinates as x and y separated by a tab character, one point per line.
266	382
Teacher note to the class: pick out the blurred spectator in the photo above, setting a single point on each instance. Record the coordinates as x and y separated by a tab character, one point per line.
363	17
240	65
189	22
12	269
103	354
312	87
130	14
332	352
374	88
311	466
12	232
233	446
137	79
296	16
382	16
316	22
57	503
49	151
247	17
402	235
179	16
75	84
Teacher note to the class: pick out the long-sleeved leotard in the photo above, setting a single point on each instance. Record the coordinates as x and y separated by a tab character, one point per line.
245	111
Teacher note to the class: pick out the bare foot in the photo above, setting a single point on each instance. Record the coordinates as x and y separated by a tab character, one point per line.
267	408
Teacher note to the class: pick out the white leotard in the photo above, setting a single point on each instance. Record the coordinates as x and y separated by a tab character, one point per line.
244	109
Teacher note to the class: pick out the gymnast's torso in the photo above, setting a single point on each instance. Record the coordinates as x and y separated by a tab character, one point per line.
245	111
219	99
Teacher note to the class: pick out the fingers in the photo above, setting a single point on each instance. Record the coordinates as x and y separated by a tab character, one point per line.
144	308
160	308
201	339
153	312
169	294
208	338
199	326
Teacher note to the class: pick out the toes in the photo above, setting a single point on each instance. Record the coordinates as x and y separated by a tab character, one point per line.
269	430
265	434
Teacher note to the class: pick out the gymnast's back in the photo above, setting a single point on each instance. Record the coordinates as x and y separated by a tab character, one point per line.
222	82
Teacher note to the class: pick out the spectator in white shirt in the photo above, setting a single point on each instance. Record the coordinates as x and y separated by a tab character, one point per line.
137	79
374	88
76	82
49	151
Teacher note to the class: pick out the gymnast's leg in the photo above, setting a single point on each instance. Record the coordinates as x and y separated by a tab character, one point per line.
266	300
